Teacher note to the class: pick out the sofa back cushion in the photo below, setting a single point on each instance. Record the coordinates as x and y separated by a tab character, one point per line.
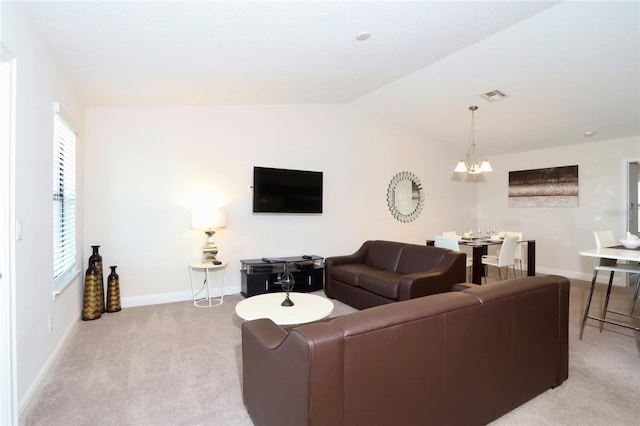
393	347
384	254
518	336
460	358
513	332
415	258
398	314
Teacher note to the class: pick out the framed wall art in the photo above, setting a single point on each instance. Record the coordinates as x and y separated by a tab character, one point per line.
550	187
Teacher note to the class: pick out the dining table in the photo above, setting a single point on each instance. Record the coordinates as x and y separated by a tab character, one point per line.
480	247
617	253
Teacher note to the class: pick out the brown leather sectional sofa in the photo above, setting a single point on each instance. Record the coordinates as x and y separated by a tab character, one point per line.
383	272
460	358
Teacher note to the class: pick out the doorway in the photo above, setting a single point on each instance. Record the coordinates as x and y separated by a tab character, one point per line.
633	187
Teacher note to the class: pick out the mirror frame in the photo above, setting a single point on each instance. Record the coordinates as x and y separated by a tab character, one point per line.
391	196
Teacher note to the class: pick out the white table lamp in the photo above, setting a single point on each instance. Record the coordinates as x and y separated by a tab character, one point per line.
209	220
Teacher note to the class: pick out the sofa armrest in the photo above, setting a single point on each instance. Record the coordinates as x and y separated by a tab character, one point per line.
267	368
421	284
451	270
265	331
282	372
463	286
355	258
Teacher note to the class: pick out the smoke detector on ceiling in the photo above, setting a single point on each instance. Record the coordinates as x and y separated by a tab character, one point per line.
494	95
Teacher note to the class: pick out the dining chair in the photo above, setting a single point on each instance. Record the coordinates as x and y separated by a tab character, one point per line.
518	253
449	234
451	243
604	239
505	258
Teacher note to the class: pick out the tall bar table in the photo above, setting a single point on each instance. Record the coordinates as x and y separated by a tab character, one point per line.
614	254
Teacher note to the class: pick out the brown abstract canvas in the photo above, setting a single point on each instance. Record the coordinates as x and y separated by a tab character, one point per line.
550	187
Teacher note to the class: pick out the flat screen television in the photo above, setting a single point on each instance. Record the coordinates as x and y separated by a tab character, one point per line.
286	191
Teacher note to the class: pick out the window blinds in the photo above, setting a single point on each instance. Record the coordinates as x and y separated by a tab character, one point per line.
64	198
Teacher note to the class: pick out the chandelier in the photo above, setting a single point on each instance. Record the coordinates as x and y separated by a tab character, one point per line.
473	162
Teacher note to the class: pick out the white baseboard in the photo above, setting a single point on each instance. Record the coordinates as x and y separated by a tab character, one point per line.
181	296
127	302
603	277
36	384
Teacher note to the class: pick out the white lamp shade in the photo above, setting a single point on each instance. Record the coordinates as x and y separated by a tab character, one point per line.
486	166
461	167
202	218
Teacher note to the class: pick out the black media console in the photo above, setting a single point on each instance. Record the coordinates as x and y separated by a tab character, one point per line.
260	276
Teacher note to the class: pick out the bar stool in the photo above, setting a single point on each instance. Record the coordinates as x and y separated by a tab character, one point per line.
607	239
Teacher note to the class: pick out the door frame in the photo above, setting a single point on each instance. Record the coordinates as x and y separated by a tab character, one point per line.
632	169
632	195
8	366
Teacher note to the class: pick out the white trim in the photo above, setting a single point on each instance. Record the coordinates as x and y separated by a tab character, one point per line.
64	281
36	384
182	296
8	363
603	277
64	199
628	201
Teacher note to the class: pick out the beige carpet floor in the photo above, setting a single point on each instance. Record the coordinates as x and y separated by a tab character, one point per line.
175	364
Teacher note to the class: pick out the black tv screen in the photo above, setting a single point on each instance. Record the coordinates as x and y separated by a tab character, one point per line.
286	191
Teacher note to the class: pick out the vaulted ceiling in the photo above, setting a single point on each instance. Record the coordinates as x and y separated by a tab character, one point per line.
566	67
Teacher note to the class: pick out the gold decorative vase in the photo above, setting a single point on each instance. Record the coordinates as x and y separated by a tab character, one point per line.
92	306
97	259
113	291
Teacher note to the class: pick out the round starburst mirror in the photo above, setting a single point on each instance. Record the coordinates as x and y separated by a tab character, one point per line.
405	197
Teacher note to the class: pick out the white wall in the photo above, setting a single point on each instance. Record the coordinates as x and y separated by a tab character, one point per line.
147	166
40	83
561	232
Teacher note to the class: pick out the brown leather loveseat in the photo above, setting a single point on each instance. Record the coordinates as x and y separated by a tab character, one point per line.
460	358
383	272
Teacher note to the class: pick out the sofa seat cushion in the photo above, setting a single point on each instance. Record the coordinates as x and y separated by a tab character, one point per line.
350	273
383	283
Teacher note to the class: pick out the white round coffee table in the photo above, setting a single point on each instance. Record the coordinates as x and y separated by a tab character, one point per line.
306	308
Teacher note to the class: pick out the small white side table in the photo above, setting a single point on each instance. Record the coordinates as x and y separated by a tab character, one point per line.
208	301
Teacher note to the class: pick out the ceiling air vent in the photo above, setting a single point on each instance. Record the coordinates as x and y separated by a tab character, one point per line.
494	95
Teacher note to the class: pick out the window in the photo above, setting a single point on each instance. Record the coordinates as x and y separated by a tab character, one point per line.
64	201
